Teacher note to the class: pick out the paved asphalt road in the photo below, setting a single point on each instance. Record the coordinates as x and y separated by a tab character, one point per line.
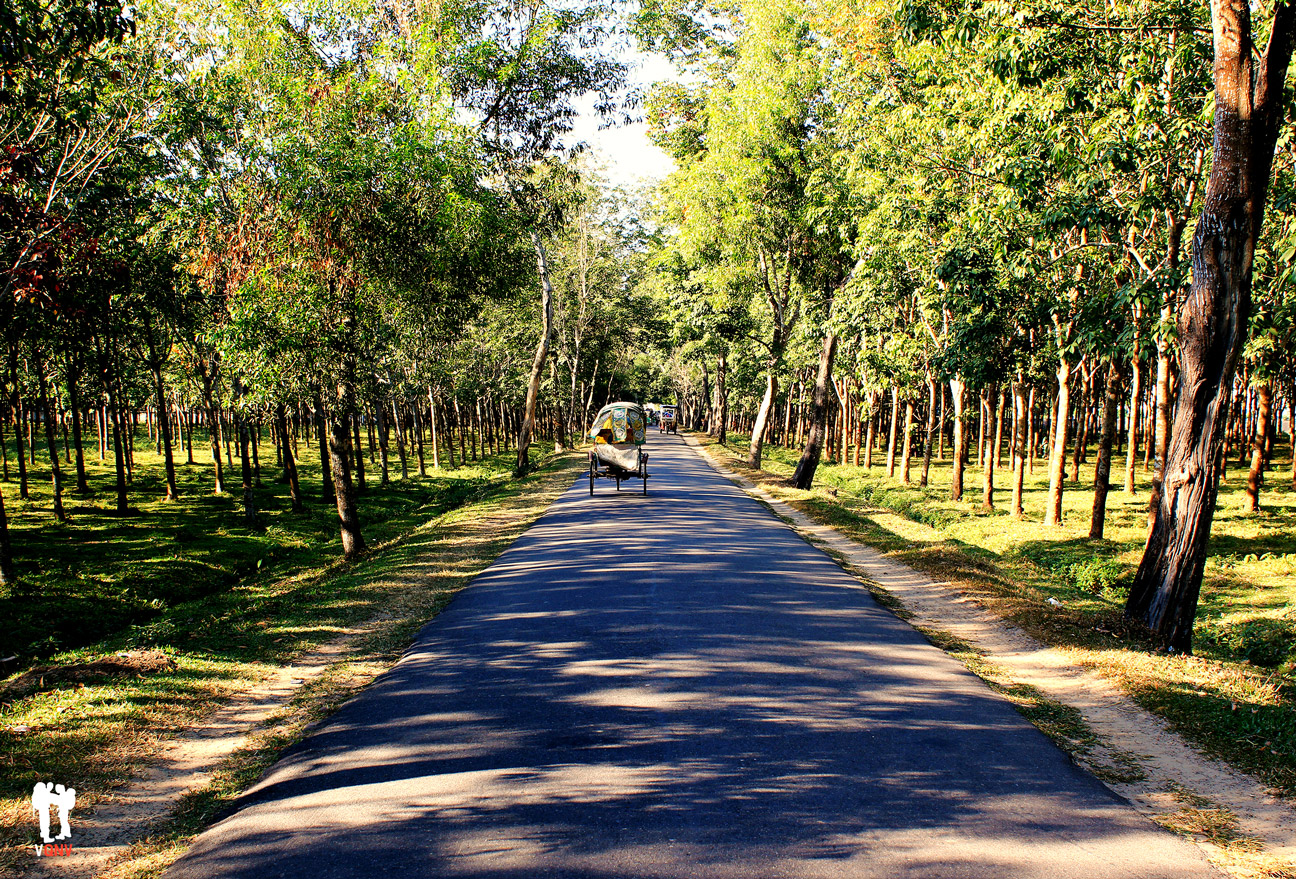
677	686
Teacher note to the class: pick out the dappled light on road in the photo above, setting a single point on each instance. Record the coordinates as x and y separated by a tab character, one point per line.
677	685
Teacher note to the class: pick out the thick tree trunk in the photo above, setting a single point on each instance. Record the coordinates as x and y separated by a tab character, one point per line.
1057	454
1263	424
1213	320
542	353
803	477
958	392
1102	470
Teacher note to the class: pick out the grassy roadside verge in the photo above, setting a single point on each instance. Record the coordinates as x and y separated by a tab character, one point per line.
94	732
1234	699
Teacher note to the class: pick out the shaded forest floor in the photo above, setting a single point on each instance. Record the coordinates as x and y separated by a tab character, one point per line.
1234	698
128	629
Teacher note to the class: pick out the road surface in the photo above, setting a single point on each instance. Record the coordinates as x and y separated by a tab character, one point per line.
677	686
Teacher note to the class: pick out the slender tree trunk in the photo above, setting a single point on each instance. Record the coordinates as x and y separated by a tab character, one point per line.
119	447
722	400
1135	398
213	418
1057	454
400	440
542	353
906	457
932	389
1249	104
418	439
1021	431
891	433
1000	403
384	437
991	454
20	420
870	437
958	391
74	398
803	476
1102	471
327	479
164	424
47	414
1263	423
288	458
245	462
432	424
339	453
762	417
8	576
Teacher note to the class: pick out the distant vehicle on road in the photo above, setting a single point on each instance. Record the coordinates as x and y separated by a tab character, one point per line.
668	423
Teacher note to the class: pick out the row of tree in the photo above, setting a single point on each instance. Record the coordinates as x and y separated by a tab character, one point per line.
975	214
310	221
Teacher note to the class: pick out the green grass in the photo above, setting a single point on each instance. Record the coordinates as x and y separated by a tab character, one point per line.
101	575
1234	697
226	603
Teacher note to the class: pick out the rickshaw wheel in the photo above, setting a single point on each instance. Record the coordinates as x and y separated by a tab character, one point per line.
591	474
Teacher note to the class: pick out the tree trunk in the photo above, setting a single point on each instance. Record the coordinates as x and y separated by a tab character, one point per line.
206	379
1213	320
991	454
19	418
1102	470
722	400
1264	417
1057	454
47	414
245	461
906	456
958	391
164	423
328	482
74	398
803	476
400	440
542	353
762	417
891	433
1020	443
289	460
1135	398
932	389
8	576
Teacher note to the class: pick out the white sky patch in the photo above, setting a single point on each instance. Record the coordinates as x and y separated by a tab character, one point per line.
630	158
